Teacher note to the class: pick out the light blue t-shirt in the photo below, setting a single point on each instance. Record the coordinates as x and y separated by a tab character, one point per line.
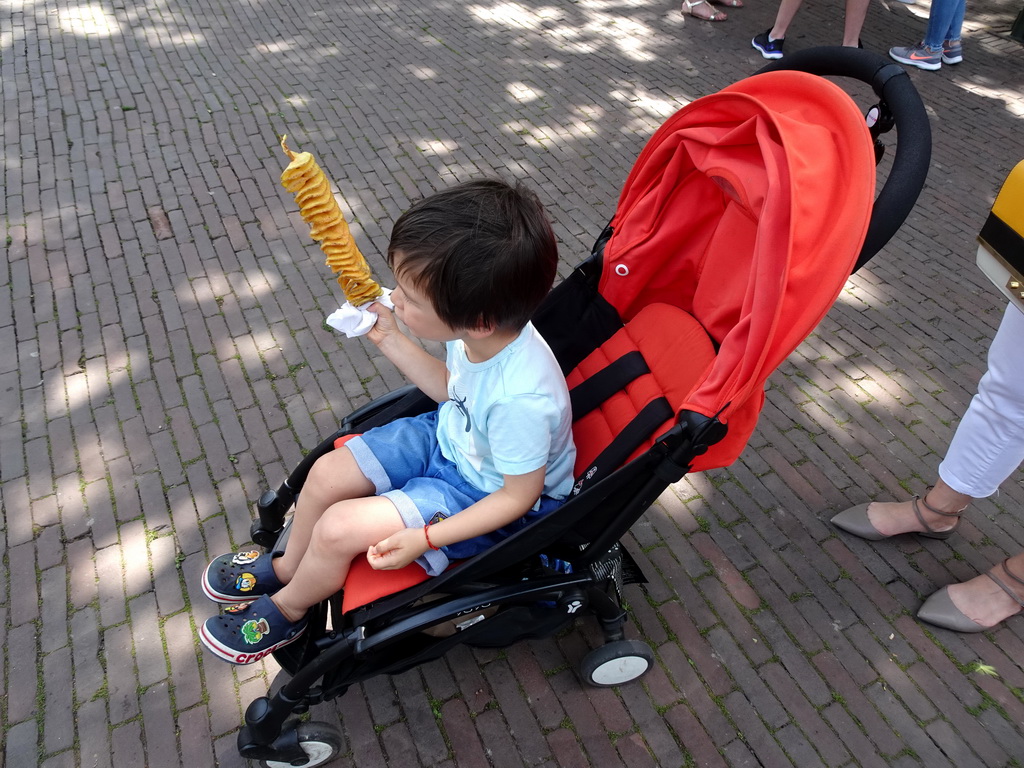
509	415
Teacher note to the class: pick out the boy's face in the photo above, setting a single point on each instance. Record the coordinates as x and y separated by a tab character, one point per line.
416	310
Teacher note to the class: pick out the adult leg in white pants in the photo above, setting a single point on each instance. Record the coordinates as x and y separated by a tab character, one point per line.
986	449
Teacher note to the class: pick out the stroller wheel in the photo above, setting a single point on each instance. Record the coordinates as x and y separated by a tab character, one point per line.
320	741
617	663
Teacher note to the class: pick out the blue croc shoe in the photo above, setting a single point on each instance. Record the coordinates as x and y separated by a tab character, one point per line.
244	634
240	577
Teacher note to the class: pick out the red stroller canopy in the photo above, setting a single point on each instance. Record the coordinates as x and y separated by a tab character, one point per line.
747	210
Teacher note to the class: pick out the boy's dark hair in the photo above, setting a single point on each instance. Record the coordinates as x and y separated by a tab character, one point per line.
482	252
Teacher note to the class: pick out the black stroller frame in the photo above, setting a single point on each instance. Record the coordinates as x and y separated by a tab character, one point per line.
507	593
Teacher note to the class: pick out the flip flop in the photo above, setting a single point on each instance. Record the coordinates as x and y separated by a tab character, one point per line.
687	10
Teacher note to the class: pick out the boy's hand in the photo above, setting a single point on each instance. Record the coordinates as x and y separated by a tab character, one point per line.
397	550
386	325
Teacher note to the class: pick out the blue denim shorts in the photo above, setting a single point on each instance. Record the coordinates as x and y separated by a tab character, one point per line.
405	464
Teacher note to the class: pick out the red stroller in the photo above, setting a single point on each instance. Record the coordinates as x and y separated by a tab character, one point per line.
736	229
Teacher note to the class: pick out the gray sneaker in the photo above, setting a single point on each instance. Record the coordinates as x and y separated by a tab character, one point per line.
917	56
952	52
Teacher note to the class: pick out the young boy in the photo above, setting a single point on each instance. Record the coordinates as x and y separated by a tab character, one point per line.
471	265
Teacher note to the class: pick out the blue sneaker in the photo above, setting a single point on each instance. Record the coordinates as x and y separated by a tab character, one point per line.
770	49
238	577
244	634
952	52
920	56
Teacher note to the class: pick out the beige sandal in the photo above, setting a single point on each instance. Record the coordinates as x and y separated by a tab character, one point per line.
687	10
940	610
855	520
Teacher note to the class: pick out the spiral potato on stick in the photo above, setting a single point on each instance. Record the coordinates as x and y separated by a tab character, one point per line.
304	179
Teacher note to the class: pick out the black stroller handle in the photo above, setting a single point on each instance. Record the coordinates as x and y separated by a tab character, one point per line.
894	88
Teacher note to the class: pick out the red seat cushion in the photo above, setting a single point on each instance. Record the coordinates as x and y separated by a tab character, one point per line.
677	350
364	584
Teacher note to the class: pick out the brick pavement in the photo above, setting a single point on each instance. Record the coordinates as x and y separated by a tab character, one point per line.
162	311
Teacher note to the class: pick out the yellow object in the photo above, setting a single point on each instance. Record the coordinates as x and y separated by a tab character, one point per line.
1009	204
304	178
1001	249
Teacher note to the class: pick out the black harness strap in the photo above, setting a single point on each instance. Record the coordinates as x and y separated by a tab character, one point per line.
630	437
589	394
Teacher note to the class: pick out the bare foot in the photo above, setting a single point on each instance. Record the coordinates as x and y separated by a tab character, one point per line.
283	573
289	611
893	517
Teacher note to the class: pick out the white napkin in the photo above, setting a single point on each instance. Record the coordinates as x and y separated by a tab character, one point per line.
356	321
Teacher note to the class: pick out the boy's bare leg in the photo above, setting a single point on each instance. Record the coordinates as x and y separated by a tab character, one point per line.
334	477
344	531
856	12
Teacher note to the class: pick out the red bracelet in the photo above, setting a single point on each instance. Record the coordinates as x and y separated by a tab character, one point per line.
426	533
